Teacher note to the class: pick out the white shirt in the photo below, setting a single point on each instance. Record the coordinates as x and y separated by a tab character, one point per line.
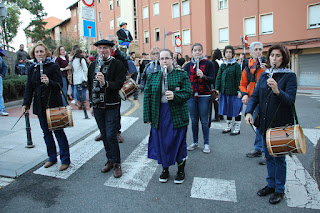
80	71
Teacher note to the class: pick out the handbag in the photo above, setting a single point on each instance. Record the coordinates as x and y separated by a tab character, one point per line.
59	117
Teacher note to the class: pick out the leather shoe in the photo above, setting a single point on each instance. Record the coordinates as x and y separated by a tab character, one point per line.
276	197
254	154
117	172
49	164
265	191
108	167
98	137
119	138
64	167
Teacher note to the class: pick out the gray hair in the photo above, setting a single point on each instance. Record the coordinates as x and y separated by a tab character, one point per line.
254	44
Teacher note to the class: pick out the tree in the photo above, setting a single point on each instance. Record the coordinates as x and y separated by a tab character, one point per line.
36	30
11	24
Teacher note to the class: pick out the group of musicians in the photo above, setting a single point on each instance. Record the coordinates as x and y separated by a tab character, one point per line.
171	95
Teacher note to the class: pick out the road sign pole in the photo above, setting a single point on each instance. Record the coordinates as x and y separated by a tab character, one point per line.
89	53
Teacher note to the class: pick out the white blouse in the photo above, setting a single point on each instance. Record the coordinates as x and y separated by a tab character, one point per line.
80	71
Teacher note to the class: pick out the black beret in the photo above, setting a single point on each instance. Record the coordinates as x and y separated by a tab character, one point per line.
122	23
104	42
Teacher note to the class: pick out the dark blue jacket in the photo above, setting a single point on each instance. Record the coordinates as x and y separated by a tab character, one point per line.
268	104
3	68
40	92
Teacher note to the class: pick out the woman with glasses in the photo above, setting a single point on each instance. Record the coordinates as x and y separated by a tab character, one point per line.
201	73
165	108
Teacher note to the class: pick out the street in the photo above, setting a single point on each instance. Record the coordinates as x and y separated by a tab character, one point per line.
224	180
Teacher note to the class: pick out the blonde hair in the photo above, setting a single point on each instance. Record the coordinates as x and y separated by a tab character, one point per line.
40	43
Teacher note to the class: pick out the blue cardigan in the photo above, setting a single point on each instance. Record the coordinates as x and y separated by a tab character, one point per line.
268	104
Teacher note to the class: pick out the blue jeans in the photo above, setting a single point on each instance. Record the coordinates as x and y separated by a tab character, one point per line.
108	123
51	146
199	108
258	139
1	96
83	91
277	170
64	89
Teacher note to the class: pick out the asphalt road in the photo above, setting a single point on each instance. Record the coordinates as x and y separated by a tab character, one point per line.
223	181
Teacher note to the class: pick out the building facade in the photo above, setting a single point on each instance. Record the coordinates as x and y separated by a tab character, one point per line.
220	23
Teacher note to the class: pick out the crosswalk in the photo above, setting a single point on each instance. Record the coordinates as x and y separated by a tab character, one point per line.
138	170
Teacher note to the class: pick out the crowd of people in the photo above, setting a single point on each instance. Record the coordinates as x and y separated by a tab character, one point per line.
174	88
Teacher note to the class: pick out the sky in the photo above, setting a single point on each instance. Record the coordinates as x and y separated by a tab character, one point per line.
56	8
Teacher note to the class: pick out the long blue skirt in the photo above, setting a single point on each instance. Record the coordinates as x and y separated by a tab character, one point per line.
166	144
230	105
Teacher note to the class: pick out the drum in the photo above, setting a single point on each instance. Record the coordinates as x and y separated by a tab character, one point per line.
129	88
285	140
59	118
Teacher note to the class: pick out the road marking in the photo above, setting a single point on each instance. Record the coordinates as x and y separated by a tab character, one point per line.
81	153
137	170
5	181
214	189
218	125
301	189
312	134
134	108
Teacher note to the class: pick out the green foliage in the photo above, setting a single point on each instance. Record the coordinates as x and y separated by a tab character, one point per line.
13	87
50	43
11	23
68	43
93	52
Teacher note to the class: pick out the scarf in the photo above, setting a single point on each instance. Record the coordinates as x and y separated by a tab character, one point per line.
232	61
48	60
270	71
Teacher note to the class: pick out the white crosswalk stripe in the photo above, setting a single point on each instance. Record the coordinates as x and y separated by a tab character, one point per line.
81	153
137	170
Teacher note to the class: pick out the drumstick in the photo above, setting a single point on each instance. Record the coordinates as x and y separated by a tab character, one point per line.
252	128
18	120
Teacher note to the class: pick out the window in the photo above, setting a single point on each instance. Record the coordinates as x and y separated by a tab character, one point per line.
186	37
156	8
111	24
266	23
175	35
314	16
75	12
185	8
250	26
99	1
175	10
145	12
111	4
223	4
146	37
75	28
99	17
157	34
100	35
223	35
118	3
118	21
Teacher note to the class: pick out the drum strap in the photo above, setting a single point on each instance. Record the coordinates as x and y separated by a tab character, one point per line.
64	95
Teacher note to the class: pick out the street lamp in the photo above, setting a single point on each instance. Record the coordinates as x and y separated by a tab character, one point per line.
164	36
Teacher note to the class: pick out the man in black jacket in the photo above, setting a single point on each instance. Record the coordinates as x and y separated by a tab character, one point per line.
106	77
124	35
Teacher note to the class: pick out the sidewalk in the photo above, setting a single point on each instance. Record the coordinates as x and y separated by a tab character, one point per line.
15	159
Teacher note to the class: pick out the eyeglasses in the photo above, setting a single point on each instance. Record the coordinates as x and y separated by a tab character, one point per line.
155	53
165	58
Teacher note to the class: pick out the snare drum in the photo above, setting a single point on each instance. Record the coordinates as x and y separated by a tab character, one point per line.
285	140
59	118
129	88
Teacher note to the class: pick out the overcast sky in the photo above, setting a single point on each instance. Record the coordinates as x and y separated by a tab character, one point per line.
56	8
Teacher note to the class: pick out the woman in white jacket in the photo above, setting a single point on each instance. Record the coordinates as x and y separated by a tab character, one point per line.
80	76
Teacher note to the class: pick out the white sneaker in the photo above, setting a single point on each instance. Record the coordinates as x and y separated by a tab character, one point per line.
193	146
4	113
206	149
73	101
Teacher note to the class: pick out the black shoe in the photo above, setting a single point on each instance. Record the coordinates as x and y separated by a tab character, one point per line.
265	191
179	178
221	117
276	197
226	131
254	154
164	176
263	160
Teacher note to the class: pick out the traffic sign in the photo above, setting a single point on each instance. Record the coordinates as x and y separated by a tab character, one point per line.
89	29
3	12
89	3
246	41
88	13
178	41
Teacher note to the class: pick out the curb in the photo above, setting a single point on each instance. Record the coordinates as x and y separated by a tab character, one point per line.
317	163
12	104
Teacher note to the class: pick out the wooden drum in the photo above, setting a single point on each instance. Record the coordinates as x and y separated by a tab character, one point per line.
129	88
59	118
285	140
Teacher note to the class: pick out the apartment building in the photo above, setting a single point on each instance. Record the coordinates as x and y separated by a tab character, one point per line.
295	23
220	23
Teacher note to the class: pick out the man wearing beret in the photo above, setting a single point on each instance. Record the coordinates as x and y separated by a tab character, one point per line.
106	77
124	35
